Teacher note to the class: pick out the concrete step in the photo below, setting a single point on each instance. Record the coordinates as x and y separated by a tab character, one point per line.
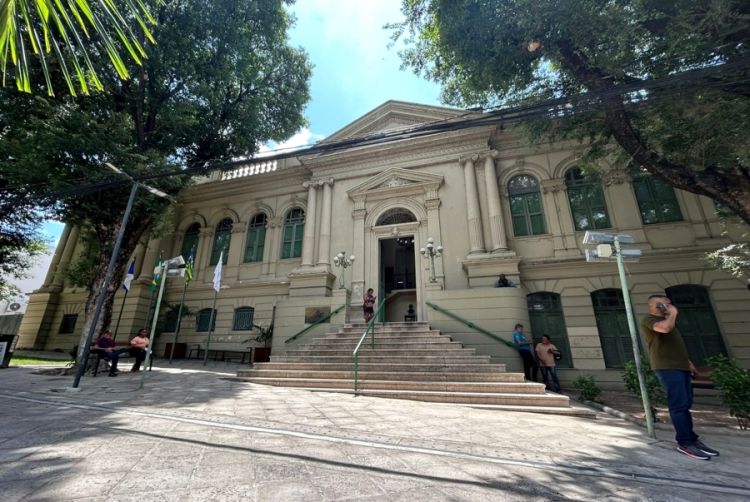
426	337
395	359
380	345
404	385
386	325
450	351
530	400
478	376
384	366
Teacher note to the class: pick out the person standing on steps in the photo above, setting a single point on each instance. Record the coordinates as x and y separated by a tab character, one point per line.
545	354
524	347
369	304
669	360
138	347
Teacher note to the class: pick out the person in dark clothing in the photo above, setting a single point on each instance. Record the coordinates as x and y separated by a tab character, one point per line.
105	347
669	360
503	282
524	347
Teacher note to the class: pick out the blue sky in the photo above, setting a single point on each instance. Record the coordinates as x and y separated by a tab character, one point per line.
354	69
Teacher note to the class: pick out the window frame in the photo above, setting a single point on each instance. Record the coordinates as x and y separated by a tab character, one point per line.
64	328
576	183
201	315
524	196
256	230
650	185
291	248
217	248
238	312
193	230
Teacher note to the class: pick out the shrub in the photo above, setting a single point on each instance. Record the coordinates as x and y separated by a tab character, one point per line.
587	388
734	384
653	387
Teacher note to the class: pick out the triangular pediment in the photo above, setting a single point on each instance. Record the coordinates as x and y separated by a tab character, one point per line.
398	179
394	115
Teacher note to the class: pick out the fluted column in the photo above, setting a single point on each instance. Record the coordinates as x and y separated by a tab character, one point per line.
149	260
476	239
324	246
497	225
309	238
59	250
70	246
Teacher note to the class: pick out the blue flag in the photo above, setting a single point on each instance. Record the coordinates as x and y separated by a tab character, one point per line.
129	277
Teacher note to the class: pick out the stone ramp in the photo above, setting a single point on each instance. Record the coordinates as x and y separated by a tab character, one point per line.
410	361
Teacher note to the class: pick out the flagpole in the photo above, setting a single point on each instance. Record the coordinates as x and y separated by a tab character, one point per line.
217	287
179	322
122	307
210	327
163	269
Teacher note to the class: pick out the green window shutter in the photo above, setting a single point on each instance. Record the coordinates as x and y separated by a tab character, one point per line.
656	200
203	320
527	212
256	238
222	239
190	241
294	229
587	202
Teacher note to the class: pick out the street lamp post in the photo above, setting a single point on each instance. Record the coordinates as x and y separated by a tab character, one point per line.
108	274
609	247
340	260
431	251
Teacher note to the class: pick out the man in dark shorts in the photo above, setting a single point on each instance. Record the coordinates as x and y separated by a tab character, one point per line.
669	360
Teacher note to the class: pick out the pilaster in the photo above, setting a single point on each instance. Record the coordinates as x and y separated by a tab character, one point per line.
497	225
474	219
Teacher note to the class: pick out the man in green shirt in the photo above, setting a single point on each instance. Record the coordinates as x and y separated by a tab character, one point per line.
670	362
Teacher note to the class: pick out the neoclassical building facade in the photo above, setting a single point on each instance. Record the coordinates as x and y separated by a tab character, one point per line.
494	202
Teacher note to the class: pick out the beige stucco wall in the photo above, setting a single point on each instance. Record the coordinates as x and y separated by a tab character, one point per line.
427	176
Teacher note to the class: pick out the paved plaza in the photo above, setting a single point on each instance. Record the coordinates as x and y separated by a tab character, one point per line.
194	433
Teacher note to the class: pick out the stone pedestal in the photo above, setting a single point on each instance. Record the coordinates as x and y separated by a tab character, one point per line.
482	271
311	282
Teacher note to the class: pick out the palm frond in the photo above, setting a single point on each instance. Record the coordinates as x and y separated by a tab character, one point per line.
67	31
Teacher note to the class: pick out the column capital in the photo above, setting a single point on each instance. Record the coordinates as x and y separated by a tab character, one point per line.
553	186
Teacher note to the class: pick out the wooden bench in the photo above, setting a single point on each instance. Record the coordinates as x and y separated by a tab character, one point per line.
99	358
224	348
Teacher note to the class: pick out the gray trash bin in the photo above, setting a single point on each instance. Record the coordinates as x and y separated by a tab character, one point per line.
7	346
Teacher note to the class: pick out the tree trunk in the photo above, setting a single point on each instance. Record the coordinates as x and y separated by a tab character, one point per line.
731	187
130	241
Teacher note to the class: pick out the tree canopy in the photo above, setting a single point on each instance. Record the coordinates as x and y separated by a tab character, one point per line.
692	133
221	80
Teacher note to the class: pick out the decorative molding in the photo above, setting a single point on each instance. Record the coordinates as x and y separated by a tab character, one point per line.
396	182
553	186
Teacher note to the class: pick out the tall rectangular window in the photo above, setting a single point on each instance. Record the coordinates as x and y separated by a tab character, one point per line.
526	207
256	239
294	228
656	200
586	201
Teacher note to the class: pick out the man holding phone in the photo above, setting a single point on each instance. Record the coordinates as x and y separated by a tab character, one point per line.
670	362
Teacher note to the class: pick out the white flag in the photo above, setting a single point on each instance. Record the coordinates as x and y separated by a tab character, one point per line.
217	273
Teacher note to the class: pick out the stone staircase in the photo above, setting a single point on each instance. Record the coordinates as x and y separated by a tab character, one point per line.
410	361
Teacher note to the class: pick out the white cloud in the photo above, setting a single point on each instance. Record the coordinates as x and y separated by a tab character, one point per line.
303	137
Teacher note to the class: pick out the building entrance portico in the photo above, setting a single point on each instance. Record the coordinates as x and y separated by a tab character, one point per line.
398	283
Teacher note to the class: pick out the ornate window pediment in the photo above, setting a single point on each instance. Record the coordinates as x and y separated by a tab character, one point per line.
398	181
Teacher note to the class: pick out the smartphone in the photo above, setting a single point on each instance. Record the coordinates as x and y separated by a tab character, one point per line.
661	307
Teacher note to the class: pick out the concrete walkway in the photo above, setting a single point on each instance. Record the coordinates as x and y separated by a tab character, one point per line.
192	433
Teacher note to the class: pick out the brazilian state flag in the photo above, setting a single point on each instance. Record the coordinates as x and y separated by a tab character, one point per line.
189	265
157	276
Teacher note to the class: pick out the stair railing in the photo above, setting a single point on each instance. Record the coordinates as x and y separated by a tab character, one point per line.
370	329
321	320
469	324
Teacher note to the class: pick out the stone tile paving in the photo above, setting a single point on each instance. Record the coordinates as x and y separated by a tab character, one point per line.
192	434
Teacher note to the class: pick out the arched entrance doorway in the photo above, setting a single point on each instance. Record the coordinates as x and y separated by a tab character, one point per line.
397	275
546	318
697	322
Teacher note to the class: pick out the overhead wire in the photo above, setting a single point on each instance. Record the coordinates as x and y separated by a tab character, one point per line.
552	108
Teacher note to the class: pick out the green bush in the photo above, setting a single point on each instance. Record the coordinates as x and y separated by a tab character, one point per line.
734	384
587	388
653	387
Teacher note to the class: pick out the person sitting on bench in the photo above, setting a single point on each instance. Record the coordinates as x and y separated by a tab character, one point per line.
105	347
138	347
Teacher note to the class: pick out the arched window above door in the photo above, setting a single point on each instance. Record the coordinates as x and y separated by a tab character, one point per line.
396	216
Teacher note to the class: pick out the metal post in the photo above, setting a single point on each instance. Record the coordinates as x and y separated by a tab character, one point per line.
152	335
179	322
117	326
107	278
210	327
634	341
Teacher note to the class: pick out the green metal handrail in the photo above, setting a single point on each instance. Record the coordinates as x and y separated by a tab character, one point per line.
322	319
370	327
469	324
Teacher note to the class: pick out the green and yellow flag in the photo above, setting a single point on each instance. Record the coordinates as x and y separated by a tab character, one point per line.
157	276
189	265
